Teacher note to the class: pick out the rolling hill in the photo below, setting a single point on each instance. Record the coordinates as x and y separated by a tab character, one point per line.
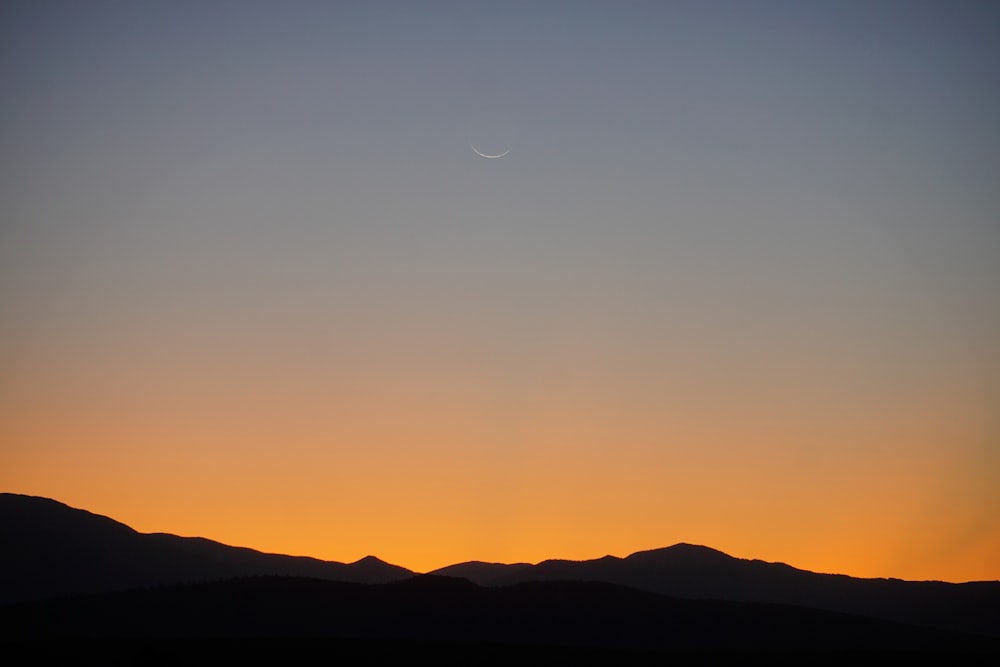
429	608
50	550
698	572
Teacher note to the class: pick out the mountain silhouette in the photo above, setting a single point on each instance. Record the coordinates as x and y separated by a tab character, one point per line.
431	608
51	550
691	571
484	574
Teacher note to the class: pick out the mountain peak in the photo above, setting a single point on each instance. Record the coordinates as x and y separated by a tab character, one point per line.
685	549
369	560
700	548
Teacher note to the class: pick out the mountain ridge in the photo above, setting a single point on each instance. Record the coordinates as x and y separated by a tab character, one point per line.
52	549
56	550
444	609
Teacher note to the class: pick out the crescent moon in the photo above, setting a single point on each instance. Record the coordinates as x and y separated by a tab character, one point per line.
490	157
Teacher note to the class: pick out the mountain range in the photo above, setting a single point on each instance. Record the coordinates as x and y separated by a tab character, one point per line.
67	559
52	550
698	572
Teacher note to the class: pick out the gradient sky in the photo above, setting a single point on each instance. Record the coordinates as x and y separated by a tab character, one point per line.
737	282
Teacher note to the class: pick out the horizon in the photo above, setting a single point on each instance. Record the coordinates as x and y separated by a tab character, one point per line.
431	570
734	284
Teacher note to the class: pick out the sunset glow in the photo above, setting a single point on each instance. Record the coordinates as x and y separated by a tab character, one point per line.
736	286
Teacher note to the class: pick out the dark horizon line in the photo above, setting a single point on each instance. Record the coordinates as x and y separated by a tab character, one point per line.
371	558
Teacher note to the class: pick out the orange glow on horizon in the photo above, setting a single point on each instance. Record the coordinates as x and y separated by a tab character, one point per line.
425	496
728	288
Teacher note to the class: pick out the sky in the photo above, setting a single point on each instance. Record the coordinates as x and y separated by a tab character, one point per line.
736	283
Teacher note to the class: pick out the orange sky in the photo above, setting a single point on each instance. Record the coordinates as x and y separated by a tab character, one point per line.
424	474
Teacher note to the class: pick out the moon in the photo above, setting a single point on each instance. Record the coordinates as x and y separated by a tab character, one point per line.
489	157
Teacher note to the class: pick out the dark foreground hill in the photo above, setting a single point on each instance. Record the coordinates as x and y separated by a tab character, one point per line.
50	549
697	572
429	608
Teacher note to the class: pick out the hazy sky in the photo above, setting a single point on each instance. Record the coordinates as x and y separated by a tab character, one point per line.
736	283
